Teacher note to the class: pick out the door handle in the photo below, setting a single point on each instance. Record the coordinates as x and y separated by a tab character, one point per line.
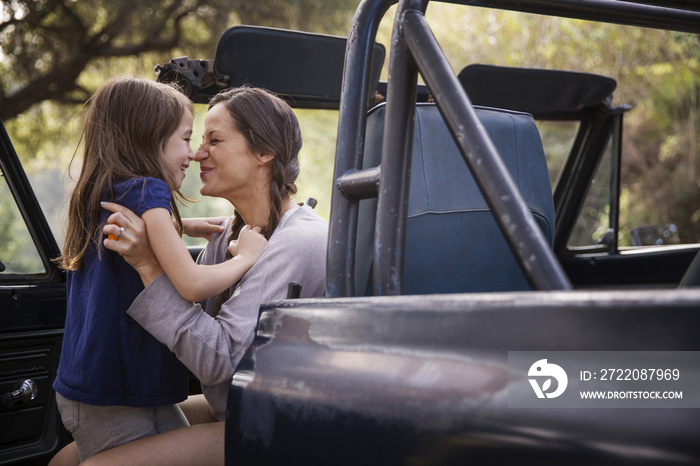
26	391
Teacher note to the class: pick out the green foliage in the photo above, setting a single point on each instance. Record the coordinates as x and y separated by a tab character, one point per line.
17	251
55	53
327	17
317	157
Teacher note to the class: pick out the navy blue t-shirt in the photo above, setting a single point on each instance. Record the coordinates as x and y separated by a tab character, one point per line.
107	358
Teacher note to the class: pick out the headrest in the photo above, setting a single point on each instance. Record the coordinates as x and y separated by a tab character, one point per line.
304	68
543	93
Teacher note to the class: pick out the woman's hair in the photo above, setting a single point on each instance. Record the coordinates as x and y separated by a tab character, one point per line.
270	127
128	123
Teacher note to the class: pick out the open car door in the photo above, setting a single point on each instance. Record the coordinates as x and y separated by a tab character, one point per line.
32	314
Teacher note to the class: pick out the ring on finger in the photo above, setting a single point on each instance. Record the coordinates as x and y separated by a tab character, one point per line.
121	230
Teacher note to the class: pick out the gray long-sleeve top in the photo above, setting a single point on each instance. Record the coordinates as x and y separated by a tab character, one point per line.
212	345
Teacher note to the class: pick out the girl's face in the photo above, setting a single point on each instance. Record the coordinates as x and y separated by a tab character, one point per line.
177	151
228	168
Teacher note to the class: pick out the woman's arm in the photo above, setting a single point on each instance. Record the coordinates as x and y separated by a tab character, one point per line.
133	243
211	348
197	282
203	227
212	343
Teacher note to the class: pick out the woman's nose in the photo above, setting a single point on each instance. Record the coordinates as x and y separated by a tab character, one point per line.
201	153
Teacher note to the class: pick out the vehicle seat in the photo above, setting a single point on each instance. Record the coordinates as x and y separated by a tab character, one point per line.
453	243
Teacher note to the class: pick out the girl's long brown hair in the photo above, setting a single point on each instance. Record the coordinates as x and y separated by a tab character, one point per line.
270	127
127	124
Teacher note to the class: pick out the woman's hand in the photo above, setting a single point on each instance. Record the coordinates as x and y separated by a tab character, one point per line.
203	227
126	235
249	244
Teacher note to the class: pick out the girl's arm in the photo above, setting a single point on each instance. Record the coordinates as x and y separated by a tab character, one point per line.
198	282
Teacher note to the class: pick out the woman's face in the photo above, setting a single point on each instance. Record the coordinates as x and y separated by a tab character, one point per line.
177	151
228	168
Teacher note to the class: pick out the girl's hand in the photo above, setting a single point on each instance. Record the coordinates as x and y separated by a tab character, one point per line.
127	236
203	227
249	244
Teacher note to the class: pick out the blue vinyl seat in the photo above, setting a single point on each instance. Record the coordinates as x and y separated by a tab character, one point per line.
453	243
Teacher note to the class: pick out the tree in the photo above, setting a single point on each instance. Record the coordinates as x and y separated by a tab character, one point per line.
55	53
47	45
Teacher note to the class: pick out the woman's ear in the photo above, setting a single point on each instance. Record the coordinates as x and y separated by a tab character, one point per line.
264	158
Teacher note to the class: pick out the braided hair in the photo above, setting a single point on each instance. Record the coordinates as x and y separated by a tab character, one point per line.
270	127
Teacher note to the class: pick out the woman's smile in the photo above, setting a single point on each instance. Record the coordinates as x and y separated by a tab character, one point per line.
227	166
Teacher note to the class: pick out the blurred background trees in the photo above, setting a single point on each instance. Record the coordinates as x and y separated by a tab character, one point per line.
55	53
54	49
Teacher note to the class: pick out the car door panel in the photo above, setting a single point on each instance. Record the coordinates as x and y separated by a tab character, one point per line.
30	431
32	316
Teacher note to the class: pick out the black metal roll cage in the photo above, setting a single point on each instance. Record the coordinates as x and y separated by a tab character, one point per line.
414	50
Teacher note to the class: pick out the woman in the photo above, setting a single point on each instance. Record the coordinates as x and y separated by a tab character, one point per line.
249	156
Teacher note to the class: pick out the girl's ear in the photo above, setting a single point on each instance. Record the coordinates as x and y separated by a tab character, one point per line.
264	158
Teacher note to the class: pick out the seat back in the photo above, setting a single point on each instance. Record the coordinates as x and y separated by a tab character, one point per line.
453	243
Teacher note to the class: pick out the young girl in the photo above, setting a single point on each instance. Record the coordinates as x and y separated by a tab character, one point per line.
115	382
